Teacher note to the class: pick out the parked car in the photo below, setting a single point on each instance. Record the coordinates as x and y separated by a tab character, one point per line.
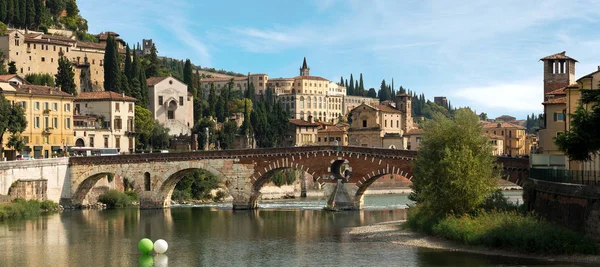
24	157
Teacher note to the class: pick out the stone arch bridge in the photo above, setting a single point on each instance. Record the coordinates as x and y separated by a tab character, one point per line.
244	172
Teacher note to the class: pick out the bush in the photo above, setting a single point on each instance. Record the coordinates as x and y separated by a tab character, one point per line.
421	219
133	196
21	208
497	201
509	229
114	199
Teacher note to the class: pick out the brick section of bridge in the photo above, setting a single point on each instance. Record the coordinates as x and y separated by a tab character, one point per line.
244	172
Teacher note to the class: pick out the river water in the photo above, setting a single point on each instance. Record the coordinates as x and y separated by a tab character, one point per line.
280	233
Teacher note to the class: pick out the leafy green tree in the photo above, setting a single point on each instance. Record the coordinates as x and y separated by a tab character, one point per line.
582	141
454	171
40	79
13	122
65	76
71	8
2	68
160	136
200	130
383	92
153	68
3	30
227	135
372	93
56	6
144	124
12	67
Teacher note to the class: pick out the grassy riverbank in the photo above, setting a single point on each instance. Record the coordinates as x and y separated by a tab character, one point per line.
117	199
502	229
21	208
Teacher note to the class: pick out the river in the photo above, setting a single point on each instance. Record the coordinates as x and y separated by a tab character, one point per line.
281	233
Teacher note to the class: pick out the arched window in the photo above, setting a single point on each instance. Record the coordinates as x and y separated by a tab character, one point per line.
147	182
301	115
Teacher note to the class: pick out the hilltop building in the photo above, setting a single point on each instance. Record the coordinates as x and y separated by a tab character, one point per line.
382	126
171	104
513	134
39	53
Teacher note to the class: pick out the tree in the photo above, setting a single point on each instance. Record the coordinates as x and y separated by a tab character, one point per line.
483	116
341	81
212	101
111	65
187	75
351	84
144	124
127	69
14	121
40	79
3	30
361	87
65	77
12	67
582	141
372	93
153	68
56	6
227	135
454	170
383	92
71	8
251	92
200	130
3	9
30	15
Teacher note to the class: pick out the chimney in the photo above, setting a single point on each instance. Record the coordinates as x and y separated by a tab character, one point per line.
598	67
310	119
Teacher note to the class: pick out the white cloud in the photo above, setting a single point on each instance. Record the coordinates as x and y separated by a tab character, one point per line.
522	96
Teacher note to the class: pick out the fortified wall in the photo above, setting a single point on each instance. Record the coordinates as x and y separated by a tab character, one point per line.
571	205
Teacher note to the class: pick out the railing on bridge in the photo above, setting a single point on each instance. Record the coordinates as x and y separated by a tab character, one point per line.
566	176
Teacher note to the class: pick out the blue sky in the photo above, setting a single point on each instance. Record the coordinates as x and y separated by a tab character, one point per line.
482	54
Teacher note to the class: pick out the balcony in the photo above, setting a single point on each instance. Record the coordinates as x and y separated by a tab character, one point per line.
47	131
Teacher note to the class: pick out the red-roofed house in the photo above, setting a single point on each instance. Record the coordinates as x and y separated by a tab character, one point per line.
104	120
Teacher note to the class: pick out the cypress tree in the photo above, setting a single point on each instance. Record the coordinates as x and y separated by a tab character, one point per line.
154	67
10	11
361	86
187	75
341	81
3	8
128	64
251	92
40	12
346	85
31	14
351	89
17	13
23	13
111	66
212	101
65	77
143	88
356	88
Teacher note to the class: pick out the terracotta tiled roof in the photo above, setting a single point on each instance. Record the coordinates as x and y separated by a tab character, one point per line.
388	109
490	125
46	41
97	46
417	131
557	100
280	79
6	77
209	80
311	78
561	55
103	95
58	38
559	91
298	122
331	129
39	90
154	80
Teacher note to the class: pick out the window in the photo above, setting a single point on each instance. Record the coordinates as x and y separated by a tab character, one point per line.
105	141
118	124
36	121
147	182
364	123
55	106
46	105
385	123
318	139
91	141
559	116
181	100
68	107
24	105
67	123
171	114
46	122
55	122
117	107
130	107
117	141
160	100
43	59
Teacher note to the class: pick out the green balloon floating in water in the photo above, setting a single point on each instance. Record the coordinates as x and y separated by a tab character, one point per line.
145	246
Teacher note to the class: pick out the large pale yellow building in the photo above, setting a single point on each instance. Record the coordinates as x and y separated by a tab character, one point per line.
49	114
514	137
39	53
302	133
105	120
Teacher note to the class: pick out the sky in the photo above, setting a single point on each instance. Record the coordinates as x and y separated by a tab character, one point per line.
481	54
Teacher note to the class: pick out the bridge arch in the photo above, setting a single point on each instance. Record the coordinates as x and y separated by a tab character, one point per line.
174	175
82	184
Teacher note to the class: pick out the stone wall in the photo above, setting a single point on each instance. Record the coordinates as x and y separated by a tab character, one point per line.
54	171
573	206
30	189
